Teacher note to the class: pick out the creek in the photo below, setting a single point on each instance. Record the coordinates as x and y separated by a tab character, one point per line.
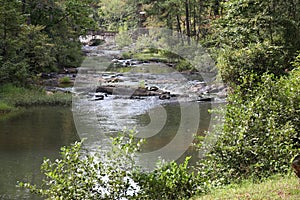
168	125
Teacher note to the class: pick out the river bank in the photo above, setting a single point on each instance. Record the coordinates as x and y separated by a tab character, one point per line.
12	98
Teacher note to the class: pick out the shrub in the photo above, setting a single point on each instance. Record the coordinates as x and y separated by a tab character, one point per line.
65	80
184	65
80	175
169	181
112	175
260	130
5	108
234	64
123	39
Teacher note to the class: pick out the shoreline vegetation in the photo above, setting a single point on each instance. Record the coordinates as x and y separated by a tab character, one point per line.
270	106
14	98
255	46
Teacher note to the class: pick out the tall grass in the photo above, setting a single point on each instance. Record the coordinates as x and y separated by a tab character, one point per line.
12	96
5	108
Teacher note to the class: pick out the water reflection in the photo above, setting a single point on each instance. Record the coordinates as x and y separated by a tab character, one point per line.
27	138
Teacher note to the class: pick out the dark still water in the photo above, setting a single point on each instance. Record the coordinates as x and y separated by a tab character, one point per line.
25	139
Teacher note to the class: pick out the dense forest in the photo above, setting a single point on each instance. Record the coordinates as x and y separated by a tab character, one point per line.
251	35
256	47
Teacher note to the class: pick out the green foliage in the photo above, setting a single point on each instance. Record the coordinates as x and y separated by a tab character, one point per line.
112	174
252	21
36	48
118	15
20	96
68	54
184	65
123	39
39	36
255	35
5	108
169	181
126	55
65	80
279	187
261	130
81	175
236	64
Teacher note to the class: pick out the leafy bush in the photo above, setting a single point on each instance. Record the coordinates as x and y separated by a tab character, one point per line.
169	181
65	80
184	65
260	130
81	175
112	175
68	52
36	49
4	107
259	58
123	39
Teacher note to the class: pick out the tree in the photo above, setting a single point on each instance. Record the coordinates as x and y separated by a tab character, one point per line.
12	67
39	36
116	15
259	36
64	22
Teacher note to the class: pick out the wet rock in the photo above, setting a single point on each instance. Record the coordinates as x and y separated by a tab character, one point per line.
48	75
131	92
113	80
49	93
97	95
50	82
205	99
98	98
165	96
153	88
126	62
70	70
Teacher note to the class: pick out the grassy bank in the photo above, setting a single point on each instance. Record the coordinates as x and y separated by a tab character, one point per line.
277	187
12	97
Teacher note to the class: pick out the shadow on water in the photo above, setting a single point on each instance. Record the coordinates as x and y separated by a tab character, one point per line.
168	132
25	139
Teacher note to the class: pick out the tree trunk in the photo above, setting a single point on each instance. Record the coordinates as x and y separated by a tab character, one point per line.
187	15
178	24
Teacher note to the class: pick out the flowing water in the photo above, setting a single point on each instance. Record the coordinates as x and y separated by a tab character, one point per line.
167	125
